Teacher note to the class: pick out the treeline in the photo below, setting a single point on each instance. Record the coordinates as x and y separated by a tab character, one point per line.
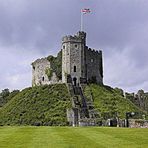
6	96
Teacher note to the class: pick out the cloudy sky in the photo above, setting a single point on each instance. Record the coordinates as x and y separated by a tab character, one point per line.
31	29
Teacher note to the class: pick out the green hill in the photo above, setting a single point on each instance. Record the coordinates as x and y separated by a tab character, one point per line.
47	105
110	102
41	105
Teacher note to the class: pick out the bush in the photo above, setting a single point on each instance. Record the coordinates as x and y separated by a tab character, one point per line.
49	73
56	64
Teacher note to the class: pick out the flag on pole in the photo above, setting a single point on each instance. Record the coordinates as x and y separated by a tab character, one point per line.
85	10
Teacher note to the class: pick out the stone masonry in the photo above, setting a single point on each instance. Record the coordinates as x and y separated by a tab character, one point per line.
79	63
39	75
140	99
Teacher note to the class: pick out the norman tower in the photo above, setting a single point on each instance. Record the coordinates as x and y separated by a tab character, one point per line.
80	63
73	57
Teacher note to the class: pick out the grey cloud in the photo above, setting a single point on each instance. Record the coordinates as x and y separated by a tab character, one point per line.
35	28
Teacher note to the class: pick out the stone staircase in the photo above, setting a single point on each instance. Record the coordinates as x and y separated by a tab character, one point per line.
83	111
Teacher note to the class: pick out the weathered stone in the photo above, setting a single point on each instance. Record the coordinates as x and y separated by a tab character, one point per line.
79	61
39	75
140	99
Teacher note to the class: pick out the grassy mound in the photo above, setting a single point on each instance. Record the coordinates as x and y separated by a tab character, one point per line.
47	105
41	105
110	102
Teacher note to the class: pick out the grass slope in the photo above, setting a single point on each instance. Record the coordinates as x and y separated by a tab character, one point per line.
41	105
68	137
109	101
46	105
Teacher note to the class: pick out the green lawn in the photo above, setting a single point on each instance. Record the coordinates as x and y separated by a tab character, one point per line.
69	137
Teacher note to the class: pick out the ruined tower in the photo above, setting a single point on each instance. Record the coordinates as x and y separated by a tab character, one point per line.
42	74
79	62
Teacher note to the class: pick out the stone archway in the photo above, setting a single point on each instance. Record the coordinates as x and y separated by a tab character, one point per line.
75	81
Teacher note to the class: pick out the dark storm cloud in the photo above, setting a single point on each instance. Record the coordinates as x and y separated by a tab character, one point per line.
34	28
36	23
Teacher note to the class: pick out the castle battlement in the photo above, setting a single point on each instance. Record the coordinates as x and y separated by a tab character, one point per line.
79	37
93	51
81	34
71	39
78	61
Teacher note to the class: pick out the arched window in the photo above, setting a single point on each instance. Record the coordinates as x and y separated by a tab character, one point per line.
74	69
42	78
92	60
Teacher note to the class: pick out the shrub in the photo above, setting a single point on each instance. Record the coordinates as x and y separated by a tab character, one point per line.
56	64
49	73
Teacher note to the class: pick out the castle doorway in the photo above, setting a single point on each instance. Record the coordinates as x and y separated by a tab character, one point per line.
75	81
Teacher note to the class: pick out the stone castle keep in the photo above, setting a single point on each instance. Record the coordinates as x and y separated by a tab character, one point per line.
79	64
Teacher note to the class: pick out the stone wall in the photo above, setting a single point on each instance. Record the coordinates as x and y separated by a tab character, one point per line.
94	67
73	56
140	99
138	123
79	61
39	73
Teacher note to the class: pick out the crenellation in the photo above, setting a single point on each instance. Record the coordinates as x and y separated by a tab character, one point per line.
94	52
94	65
79	37
86	61
78	61
100	51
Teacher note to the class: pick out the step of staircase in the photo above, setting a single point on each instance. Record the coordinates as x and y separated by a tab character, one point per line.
87	114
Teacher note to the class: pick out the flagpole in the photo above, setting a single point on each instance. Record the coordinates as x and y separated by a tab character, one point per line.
81	20
83	11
